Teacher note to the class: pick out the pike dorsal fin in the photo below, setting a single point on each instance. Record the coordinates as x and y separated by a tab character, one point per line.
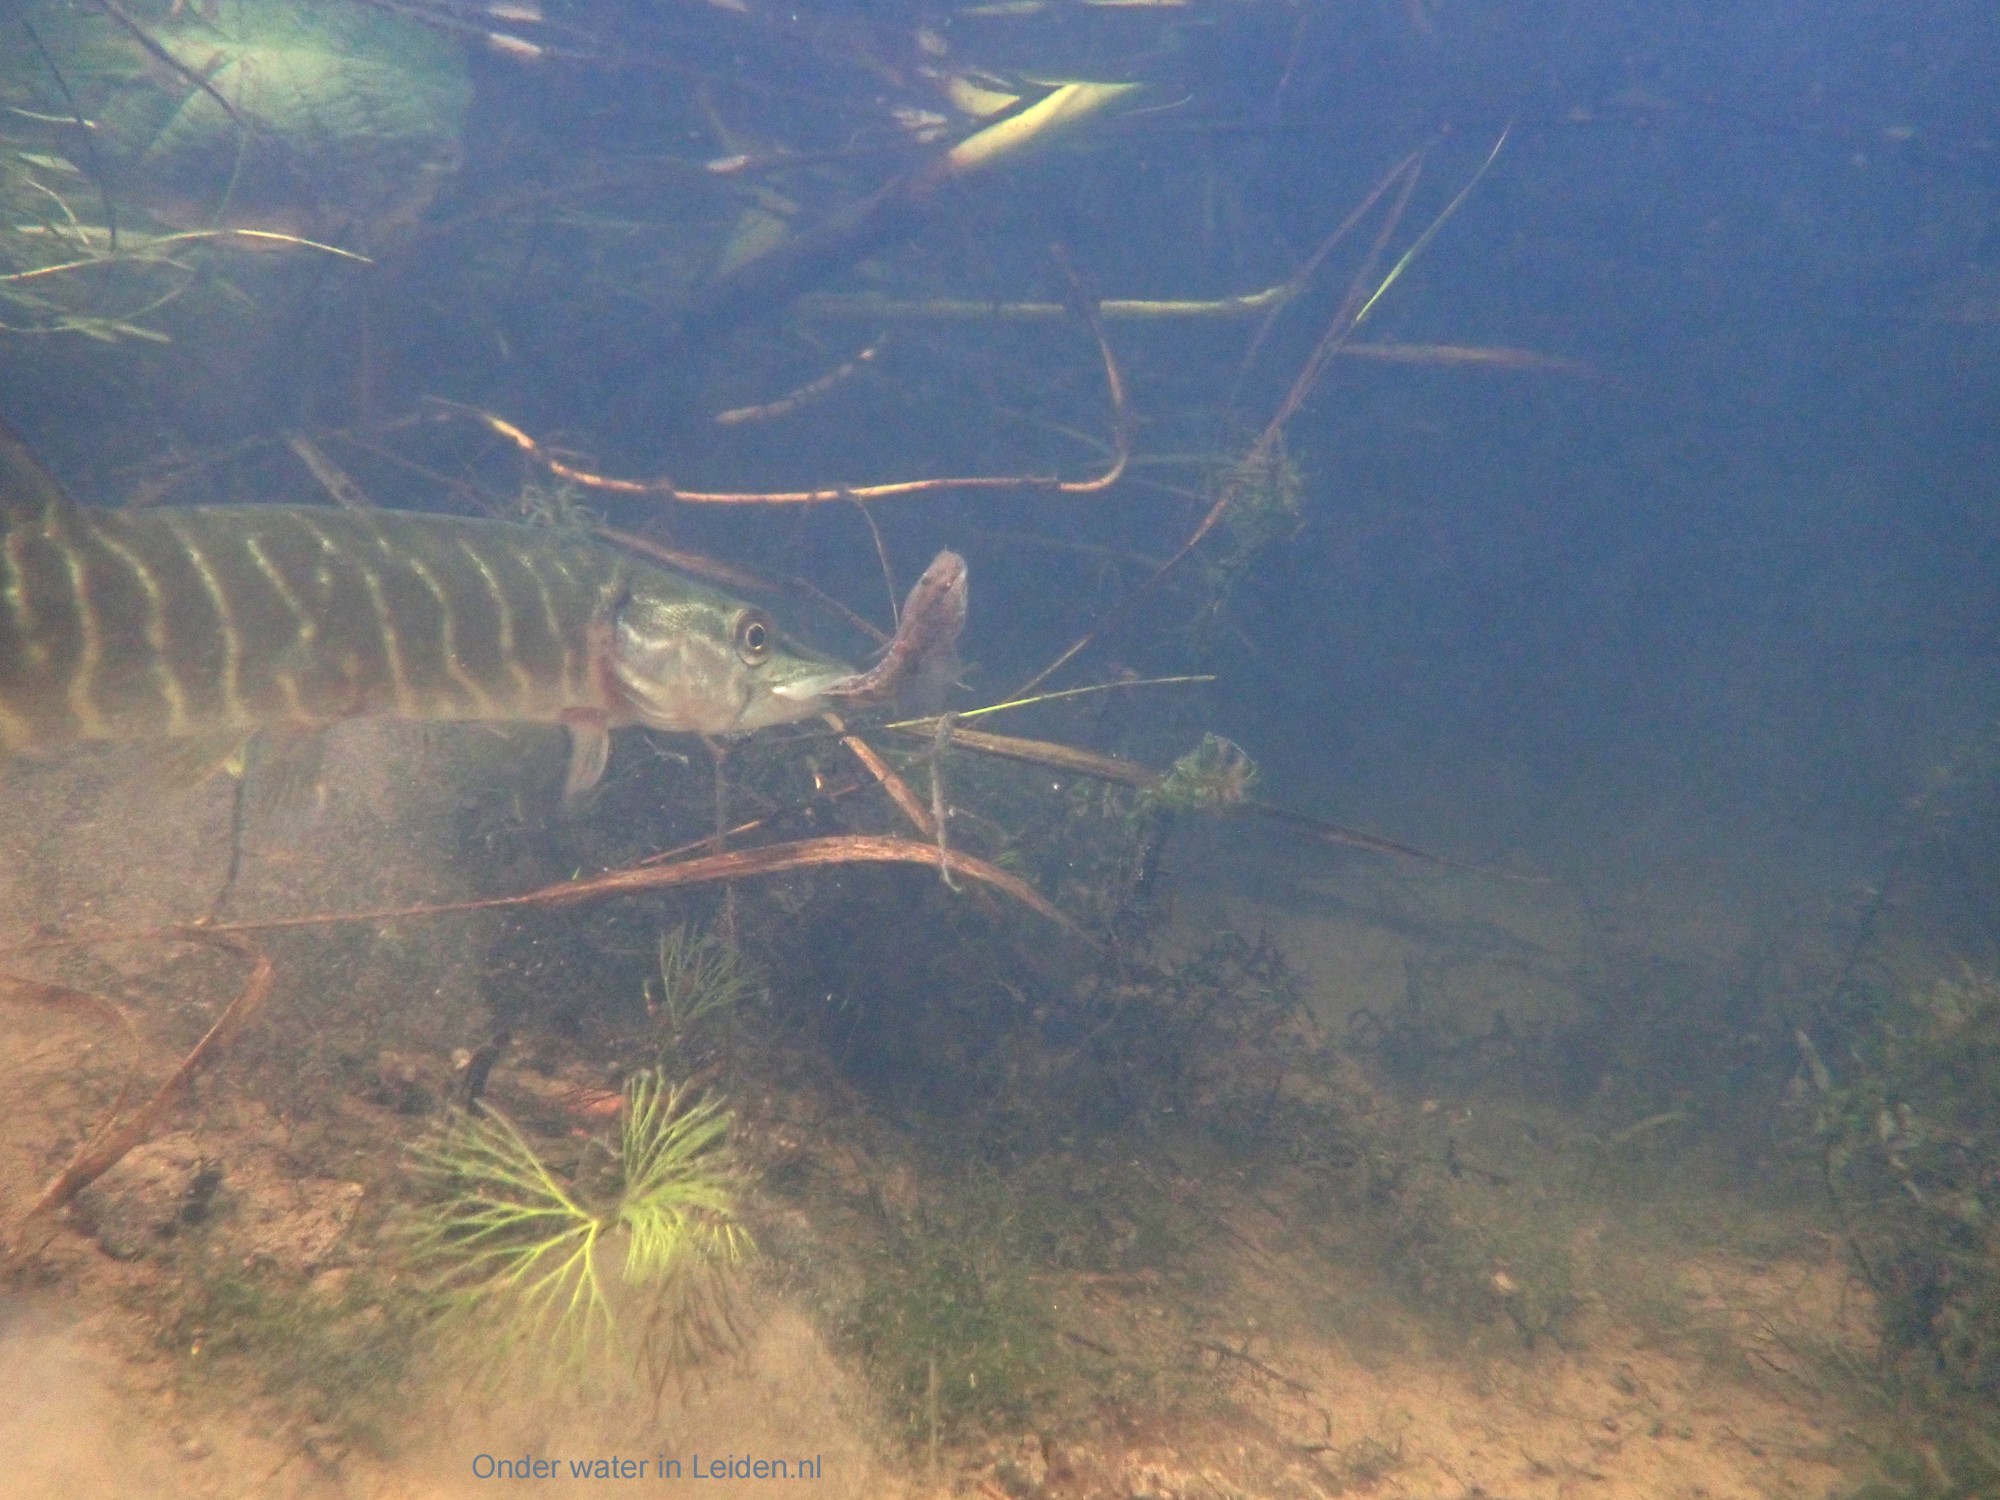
29	494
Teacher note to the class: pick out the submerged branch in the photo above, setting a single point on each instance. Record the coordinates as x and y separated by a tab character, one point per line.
738	864
110	1145
1354	309
120	17
873	307
663	488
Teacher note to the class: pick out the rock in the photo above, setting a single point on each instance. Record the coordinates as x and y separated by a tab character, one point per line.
297	1223
148	1196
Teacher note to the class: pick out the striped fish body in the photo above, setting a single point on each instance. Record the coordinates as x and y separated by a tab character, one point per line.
211	621
136	625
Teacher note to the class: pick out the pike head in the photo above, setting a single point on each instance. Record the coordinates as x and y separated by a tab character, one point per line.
688	659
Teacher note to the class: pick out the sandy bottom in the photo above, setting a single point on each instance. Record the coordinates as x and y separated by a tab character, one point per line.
1319	1384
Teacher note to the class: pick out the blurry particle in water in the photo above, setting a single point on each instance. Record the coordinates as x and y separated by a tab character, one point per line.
924	125
519	48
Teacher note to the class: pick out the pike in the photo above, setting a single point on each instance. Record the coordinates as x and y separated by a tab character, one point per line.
210	624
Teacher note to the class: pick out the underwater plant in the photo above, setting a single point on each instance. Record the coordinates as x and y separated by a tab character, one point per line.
507	1232
1217	773
701	976
1906	1125
1266	492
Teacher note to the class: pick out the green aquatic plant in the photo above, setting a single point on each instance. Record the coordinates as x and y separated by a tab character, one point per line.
701	977
509	1233
1266	492
1216	773
1909	1136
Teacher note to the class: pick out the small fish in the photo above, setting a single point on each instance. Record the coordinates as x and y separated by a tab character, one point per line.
210	624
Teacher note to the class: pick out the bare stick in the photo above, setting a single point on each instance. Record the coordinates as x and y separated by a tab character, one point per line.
99	1157
1122	772
882	557
897	788
40	992
806	394
665	489
159	52
335	480
772	859
700	566
940	813
1354	308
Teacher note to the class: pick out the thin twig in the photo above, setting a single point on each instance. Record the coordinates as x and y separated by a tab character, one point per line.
12	986
897	788
1215	1347
663	488
1407	167
811	391
882	557
701	566
860	305
335	480
737	864
1122	772
1354	308
94	1160
940	814
152	44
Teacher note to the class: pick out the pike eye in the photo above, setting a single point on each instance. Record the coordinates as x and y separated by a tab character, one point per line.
755	635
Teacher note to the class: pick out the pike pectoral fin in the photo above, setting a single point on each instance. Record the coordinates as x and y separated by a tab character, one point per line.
589	749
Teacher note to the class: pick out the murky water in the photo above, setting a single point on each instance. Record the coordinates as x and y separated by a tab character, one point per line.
1408	909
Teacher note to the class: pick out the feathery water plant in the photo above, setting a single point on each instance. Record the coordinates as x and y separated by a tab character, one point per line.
701	975
506	1231
679	1198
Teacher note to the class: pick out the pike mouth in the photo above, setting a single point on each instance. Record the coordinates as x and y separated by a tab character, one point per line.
810	693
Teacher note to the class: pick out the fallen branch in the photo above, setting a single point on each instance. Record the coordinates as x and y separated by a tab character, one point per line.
873	307
157	50
1215	1347
898	789
805	395
110	1145
737	864
663	488
1340	331
40	992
